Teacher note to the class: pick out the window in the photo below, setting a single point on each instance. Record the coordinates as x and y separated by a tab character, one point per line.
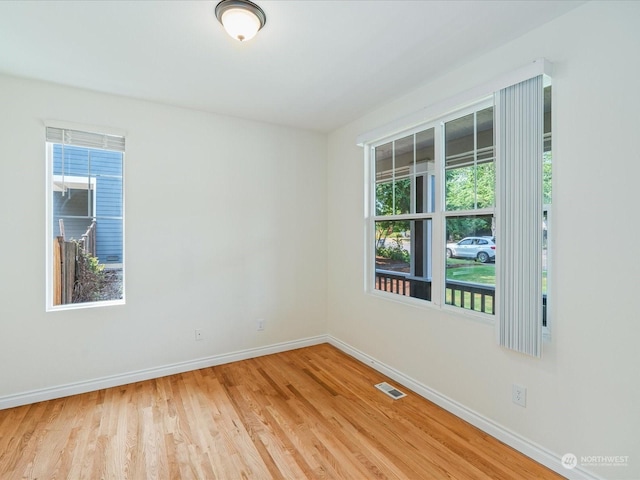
404	211
85	211
469	203
436	211
409	214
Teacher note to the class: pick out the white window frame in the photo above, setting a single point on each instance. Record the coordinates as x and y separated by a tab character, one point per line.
50	178
548	207
480	104
438	217
370	268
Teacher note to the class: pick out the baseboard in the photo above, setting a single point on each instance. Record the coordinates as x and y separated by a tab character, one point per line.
51	393
523	445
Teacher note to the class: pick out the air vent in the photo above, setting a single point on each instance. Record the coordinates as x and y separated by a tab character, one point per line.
391	391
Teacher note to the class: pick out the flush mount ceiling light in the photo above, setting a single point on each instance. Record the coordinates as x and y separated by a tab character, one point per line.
240	18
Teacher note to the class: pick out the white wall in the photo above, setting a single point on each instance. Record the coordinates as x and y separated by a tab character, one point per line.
583	395
225	223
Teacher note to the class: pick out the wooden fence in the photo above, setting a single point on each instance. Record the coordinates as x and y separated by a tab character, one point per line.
65	254
88	240
64	270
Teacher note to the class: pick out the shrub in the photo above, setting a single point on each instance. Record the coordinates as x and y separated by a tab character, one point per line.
394	252
93	283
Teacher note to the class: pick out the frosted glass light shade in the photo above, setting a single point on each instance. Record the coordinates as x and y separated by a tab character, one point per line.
241	19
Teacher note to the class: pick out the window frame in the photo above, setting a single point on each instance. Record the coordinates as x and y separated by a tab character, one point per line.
372	218
481	103
547	209
49	212
438	217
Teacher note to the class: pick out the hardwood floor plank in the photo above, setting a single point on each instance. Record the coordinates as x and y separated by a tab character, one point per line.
311	413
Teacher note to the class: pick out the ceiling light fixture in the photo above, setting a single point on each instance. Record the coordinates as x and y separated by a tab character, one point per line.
240	18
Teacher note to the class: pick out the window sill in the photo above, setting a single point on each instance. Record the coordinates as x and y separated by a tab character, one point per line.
81	306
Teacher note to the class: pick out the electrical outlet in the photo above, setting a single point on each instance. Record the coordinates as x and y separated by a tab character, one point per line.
519	395
260	324
199	335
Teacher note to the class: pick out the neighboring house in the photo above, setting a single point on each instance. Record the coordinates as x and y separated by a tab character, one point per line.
87	186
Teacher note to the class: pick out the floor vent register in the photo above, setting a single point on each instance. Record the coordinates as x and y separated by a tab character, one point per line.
391	391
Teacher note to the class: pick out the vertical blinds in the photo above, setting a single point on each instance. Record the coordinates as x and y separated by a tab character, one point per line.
519	202
85	139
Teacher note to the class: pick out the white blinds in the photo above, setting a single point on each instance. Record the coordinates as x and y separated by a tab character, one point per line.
85	139
519	142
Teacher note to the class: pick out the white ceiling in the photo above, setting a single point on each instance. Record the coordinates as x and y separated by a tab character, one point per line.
316	64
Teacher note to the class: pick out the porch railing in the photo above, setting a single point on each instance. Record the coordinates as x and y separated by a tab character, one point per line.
471	296
403	284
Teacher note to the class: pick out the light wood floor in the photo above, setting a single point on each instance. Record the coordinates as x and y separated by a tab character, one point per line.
308	413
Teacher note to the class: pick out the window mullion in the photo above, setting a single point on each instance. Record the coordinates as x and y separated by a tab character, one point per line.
393	177
439	258
466	213
404	217
475	160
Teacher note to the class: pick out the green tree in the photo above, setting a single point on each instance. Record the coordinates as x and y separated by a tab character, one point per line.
392	198
470	187
546	177
460	227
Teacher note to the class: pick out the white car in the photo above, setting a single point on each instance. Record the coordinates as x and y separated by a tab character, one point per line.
482	249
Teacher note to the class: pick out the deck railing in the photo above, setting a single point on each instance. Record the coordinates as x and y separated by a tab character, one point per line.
471	296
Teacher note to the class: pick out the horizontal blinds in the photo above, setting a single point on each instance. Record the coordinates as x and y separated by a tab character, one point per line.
520	115
85	139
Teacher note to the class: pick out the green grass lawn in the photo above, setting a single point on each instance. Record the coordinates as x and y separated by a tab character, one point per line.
471	271
474	272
